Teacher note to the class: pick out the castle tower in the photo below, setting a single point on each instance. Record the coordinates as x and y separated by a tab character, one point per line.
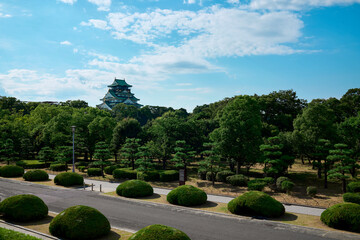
119	92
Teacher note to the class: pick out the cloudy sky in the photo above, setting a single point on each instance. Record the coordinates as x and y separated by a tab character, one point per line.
178	53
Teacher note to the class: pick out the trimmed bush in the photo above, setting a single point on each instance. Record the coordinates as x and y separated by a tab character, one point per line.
36	175
159	232
124	174
202	174
237	180
23	208
344	216
94	172
109	169
269	180
187	195
6	234
82	168
209	177
353	187
168	175
221	176
352	197
148	176
79	222
31	164
287	186
57	167
279	180
81	164
9	171
311	191
256	185
134	188
67	179
256	203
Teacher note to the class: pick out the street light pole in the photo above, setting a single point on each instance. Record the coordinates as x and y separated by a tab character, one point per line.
73	131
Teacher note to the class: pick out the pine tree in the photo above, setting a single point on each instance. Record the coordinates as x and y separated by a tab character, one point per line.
102	154
64	155
144	161
7	152
321	162
343	163
212	162
183	156
46	154
129	150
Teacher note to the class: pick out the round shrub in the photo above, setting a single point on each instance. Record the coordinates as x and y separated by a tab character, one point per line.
344	216
67	179
11	171
159	232
311	191
287	186
82	168
221	176
23	208
187	195
79	222
256	203
109	169
148	176
58	167
210	176
36	175
134	188
168	175
256	185
269	180
237	180
124	174
279	180
353	187
352	197
94	172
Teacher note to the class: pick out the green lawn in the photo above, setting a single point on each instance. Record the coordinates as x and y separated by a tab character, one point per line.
6	234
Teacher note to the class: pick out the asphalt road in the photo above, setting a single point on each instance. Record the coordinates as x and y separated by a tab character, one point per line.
198	225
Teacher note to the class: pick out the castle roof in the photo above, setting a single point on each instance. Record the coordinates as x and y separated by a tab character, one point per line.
120	83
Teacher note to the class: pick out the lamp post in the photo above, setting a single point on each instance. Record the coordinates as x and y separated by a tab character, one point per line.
73	131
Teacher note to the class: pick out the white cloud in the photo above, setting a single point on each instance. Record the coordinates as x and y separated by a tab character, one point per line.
68	1
103	5
189	1
66	43
296	5
104	57
233	1
2	15
183	84
86	84
101	24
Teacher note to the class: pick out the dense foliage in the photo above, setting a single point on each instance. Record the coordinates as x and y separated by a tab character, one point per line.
256	203
344	216
79	222
68	179
352	197
6	234
187	195
159	232
237	180
11	171
36	175
23	208
134	188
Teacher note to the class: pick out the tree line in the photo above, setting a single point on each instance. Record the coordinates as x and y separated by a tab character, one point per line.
241	131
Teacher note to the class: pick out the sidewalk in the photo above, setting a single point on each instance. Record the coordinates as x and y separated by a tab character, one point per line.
111	187
27	231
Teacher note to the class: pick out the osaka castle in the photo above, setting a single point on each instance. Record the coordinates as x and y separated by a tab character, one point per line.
119	92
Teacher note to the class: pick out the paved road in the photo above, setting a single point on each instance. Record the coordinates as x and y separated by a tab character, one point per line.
199	225
111	187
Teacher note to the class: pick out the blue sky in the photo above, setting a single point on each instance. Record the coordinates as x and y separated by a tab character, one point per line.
178	53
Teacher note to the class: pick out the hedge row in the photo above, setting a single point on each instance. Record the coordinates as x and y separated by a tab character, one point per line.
67	179
156	175
36	175
58	167
32	164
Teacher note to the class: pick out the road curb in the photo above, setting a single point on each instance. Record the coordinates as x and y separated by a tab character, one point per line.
27	230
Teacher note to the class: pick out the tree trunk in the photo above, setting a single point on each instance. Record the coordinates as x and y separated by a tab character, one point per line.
232	167
325	176
115	156
133	164
302	160
86	158
344	185
164	164
319	169
237	167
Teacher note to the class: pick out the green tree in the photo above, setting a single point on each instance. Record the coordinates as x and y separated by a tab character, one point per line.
64	155
183	156
211	162
239	134
130	149
102	154
46	154
276	163
340	157
322	149
144	161
100	130
7	152
126	128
